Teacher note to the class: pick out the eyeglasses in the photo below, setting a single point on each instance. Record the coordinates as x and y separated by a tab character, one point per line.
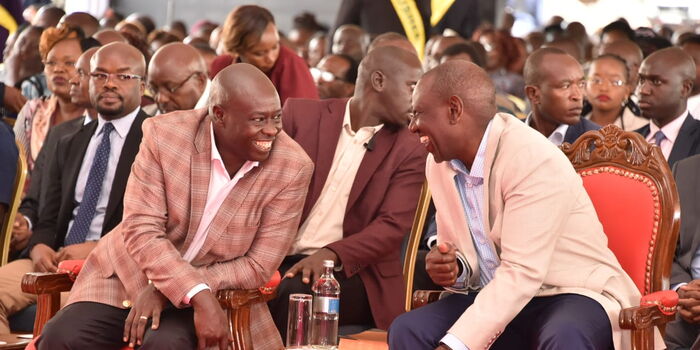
120	77
600	81
322	75
173	89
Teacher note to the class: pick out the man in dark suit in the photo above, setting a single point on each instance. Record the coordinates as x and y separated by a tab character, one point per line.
31	203
665	82
684	332
364	192
554	83
378	16
87	175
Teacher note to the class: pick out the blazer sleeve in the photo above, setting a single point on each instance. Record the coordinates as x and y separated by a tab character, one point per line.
44	227
144	221
536	206
275	235
686	175
384	234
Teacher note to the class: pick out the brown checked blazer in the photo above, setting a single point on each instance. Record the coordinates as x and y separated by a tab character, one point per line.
382	200
163	205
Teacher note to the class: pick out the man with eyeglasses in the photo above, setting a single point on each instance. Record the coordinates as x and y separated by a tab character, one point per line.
177	77
88	172
335	76
554	84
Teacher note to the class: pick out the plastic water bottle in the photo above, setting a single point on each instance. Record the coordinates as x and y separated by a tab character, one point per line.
326	307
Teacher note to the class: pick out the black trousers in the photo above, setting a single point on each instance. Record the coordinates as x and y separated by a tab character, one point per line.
88	325
354	305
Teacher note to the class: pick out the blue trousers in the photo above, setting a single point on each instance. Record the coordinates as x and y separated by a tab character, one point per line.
566	321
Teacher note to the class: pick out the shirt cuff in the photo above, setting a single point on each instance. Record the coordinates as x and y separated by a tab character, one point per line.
29	223
431	241
463	279
676	286
453	342
198	288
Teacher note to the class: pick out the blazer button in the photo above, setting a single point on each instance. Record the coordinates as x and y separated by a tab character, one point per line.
126	303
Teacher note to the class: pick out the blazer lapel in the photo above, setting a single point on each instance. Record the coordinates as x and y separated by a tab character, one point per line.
383	142
230	206
684	141
121	174
329	128
200	171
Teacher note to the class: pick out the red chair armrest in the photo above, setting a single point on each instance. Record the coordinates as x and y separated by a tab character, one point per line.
71	267
665	300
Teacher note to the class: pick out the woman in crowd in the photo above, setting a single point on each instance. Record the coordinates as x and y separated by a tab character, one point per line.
250	34
59	49
608	93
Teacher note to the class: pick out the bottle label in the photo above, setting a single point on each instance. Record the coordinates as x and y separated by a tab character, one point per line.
329	305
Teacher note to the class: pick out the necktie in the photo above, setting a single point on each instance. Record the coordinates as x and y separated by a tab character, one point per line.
93	187
658	137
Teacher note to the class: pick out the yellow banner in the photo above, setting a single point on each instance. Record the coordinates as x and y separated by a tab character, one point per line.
412	23
438	8
7	21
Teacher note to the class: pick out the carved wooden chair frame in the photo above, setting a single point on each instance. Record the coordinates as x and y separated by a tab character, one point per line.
15	199
628	154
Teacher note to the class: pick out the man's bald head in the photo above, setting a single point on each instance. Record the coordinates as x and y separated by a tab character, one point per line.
392	39
568	45
351	40
117	84
106	36
627	50
177	77
675	59
48	16
467	81
385	81
533	64
441	44
238	83
85	21
245	111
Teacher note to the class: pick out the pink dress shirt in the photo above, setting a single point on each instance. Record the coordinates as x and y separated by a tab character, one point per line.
670	130
220	185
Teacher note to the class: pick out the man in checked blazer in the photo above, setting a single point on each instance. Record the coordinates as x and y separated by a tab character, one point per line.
213	202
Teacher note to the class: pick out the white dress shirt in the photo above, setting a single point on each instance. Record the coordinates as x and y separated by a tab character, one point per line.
670	130
557	136
116	139
220	185
324	225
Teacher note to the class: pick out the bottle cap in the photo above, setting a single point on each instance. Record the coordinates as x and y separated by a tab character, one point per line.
328	263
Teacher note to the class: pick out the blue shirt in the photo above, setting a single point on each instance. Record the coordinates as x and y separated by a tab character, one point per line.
470	185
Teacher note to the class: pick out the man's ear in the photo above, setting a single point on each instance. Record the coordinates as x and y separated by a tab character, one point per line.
533	94
378	80
217	115
456	106
687	88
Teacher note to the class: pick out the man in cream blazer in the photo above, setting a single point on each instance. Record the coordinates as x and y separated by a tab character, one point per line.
536	272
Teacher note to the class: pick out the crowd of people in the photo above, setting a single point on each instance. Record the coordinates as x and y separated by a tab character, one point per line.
180	161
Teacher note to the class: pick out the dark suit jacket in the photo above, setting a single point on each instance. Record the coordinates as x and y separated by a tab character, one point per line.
378	16
687	142
35	196
687	175
52	225
573	132
382	200
462	17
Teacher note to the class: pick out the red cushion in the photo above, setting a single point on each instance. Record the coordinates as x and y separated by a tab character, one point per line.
666	300
270	286
625	206
72	267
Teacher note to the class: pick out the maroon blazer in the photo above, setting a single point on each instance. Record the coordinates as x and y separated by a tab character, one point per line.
382	200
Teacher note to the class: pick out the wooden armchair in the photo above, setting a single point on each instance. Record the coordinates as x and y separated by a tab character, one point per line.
9	218
635	197
236	303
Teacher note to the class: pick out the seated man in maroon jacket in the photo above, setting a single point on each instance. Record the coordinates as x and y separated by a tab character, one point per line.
364	192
